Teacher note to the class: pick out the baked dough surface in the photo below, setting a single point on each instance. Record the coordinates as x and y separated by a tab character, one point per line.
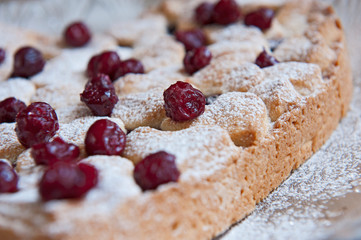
263	123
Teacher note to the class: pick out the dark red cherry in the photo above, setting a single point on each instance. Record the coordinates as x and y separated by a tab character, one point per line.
2	55
8	178
191	38
265	60
9	108
35	124
182	102
156	169
51	152
226	12
129	66
64	180
99	95
204	13
106	63
91	174
105	137
197	59
28	61
77	34
261	18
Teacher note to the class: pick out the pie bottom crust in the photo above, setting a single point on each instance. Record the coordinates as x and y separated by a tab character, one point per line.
203	209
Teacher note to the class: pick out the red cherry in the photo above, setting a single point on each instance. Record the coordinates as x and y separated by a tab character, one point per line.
129	66
261	18
265	60
28	61
8	178
226	12
107	63
36	124
197	59
2	55
54	151
191	38
105	137
9	108
204	13
67	180
156	169
99	95
183	102
77	34
91	174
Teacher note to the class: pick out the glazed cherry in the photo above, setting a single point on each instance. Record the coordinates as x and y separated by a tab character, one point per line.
265	60
156	169
129	66
182	102
51	152
226	12
99	95
262	18
197	59
28	61
106	63
9	108
35	124
204	13
2	55
77	34
191	38
91	174
8	178
64	180
105	137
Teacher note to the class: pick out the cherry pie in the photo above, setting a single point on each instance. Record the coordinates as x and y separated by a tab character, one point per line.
137	133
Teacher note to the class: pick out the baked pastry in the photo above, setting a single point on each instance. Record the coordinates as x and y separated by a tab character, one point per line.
265	115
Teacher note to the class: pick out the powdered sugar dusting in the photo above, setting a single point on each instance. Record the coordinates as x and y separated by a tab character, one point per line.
10	147
61	94
75	131
303	49
306	78
333	178
242	78
263	3
278	94
223	76
243	115
302	203
321	199
17	87
70	113
199	151
116	185
293	49
159	78
148	26
248	49
71	63
239	33
163	51
141	109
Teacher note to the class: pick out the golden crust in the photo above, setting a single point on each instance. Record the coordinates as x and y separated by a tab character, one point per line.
295	119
